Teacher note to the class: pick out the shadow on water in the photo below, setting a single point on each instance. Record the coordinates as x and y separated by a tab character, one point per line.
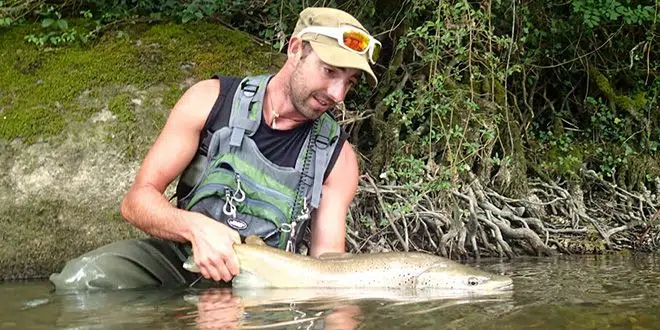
593	292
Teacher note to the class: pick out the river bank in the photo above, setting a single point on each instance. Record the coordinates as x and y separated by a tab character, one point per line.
75	122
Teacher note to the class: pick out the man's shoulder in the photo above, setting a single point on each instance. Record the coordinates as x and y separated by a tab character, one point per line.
197	101
210	87
202	94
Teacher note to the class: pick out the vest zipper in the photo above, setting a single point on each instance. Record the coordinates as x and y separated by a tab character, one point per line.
257	186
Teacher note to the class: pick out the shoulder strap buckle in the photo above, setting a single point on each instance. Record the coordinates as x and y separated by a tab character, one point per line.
322	141
249	89
246	110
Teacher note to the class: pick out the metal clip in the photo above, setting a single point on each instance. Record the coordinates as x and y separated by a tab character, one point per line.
304	213
289	243
229	208
289	246
305	209
239	191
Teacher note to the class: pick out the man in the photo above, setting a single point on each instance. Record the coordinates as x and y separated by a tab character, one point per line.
326	55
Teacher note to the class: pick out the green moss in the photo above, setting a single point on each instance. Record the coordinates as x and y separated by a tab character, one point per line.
633	104
171	96
38	87
65	95
637	102
122	107
602	82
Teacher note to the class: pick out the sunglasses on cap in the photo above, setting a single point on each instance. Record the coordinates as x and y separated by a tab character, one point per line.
350	38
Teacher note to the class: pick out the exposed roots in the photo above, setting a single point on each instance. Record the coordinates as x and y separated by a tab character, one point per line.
629	220
475	221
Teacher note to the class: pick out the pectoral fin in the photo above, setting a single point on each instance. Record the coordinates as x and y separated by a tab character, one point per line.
190	265
246	279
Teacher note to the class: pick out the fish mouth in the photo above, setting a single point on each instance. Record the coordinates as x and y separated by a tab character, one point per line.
506	286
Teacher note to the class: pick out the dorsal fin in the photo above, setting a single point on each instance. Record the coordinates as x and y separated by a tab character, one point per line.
254	239
334	255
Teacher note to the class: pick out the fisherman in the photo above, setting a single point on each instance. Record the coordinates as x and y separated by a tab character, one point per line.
254	156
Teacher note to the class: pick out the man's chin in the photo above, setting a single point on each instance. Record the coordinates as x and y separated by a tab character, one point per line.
312	114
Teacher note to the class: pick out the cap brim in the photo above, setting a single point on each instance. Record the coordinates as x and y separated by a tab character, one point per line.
339	57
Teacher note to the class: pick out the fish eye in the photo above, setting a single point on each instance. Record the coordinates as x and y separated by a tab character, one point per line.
472	281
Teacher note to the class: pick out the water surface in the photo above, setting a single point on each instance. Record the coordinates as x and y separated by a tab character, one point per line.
582	292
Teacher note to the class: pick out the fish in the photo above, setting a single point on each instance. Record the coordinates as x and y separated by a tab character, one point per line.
262	266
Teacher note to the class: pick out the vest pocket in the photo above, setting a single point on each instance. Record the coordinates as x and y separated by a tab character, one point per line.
244	223
224	173
250	217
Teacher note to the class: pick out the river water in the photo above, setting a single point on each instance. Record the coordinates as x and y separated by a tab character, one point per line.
565	292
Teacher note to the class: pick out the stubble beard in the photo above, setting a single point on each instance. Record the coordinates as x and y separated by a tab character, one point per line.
299	93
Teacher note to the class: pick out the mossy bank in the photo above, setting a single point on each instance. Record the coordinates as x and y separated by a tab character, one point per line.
75	122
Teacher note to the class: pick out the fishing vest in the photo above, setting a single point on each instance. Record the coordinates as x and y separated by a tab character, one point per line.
238	186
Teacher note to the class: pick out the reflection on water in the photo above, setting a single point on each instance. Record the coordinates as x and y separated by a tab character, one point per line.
592	292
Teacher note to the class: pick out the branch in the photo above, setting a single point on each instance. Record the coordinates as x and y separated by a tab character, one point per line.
387	214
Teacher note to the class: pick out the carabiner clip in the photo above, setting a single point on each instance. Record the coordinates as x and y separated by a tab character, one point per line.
239	191
229	209
304	213
292	236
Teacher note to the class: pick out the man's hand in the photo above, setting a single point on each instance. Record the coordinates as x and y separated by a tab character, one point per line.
212	245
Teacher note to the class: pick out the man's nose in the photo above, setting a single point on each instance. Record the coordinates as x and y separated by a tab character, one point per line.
337	90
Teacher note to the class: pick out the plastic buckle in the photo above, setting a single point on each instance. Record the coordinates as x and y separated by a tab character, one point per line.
322	142
307	179
248	89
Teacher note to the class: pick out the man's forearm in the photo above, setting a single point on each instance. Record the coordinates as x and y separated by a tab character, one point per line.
147	209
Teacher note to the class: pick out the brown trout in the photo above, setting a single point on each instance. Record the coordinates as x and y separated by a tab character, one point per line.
262	266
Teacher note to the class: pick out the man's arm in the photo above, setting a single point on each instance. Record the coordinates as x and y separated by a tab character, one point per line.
144	205
329	223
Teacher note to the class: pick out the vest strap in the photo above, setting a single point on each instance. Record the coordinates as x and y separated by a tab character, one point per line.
249	97
322	154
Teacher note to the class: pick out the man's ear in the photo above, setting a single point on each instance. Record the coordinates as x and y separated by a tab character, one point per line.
294	47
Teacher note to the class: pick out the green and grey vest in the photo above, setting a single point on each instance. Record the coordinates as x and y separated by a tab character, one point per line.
238	186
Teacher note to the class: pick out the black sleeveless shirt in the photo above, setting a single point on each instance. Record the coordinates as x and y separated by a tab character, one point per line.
279	146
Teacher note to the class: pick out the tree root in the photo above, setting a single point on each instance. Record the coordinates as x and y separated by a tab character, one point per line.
474	221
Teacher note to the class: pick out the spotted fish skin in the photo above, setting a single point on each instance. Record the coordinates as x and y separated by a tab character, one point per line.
266	267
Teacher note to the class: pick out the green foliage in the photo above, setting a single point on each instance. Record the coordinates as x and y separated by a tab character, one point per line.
464	86
6	19
606	126
599	84
597	12
445	118
55	30
563	156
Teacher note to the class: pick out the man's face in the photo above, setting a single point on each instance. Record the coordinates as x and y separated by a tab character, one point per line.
317	86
